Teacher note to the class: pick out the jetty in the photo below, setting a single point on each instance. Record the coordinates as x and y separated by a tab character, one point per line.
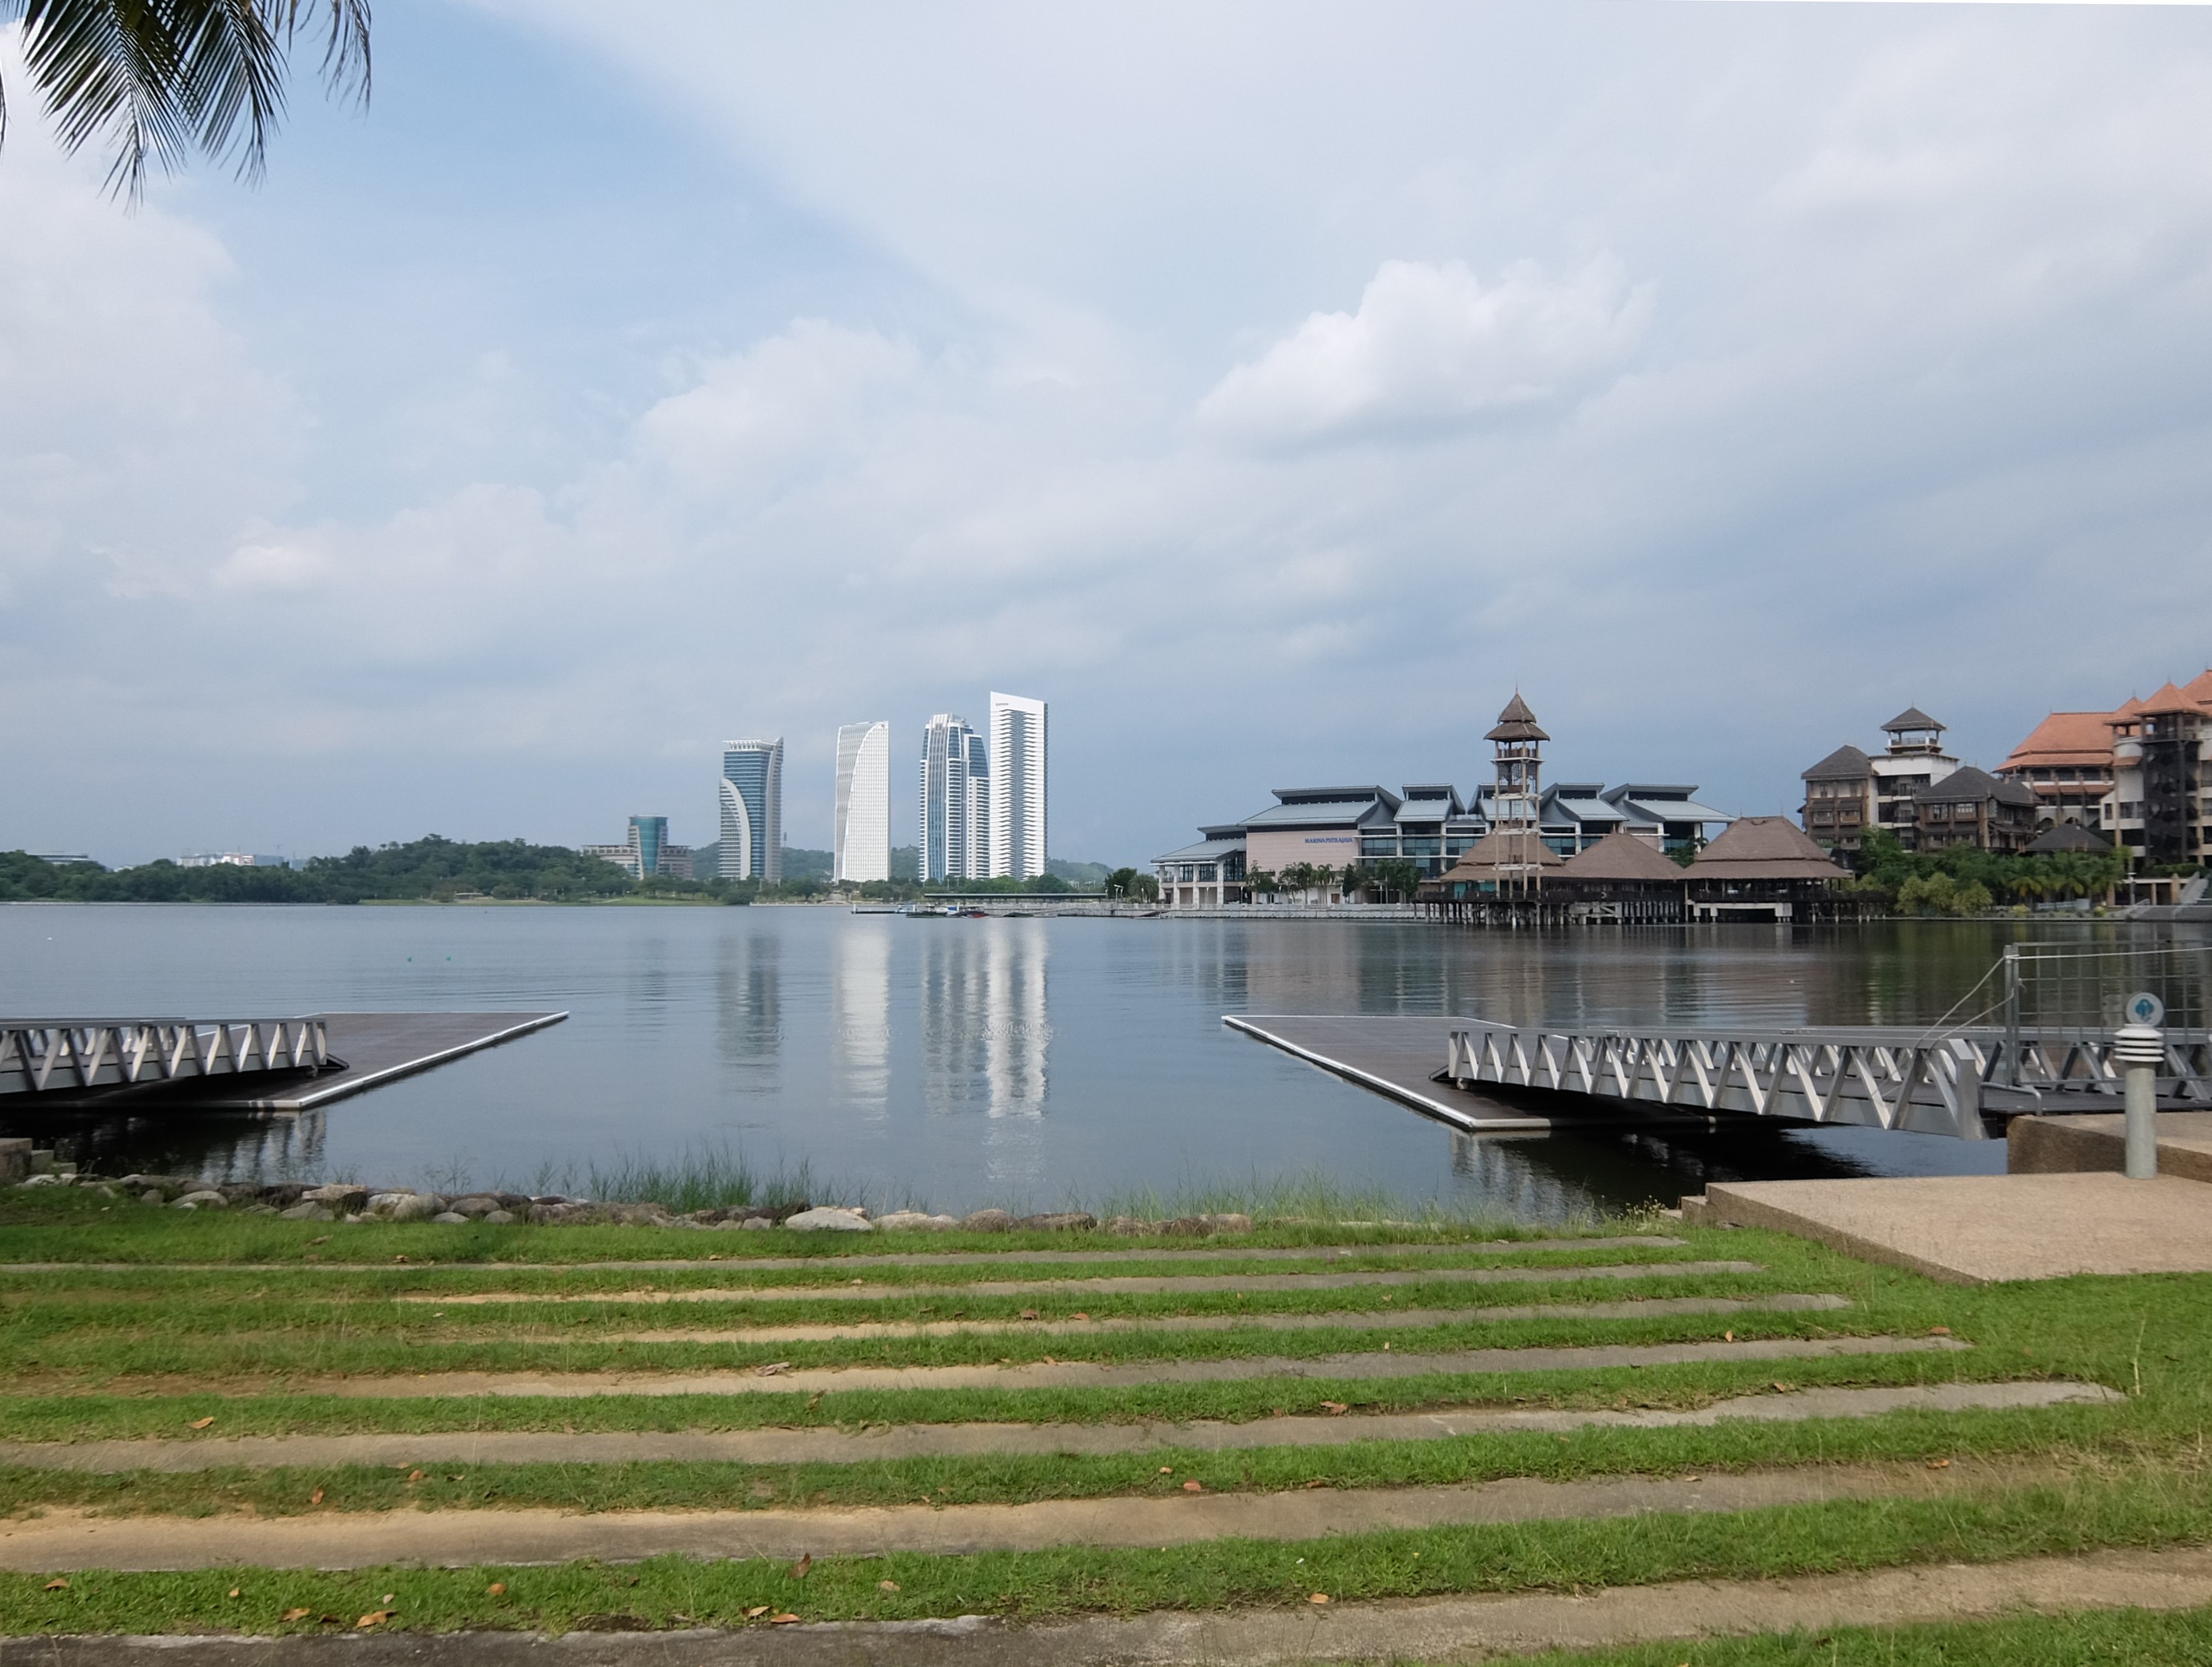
279	1067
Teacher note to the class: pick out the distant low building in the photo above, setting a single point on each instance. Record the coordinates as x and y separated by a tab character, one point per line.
222	860
647	852
1205	875
1850	793
1971	807
1763	868
2137	775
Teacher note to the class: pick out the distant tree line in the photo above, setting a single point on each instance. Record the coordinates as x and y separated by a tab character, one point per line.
1966	880
432	868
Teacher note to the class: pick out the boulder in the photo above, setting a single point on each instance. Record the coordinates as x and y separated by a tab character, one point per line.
48	1179
416	1206
475	1204
1232	1222
917	1218
830	1219
1064	1221
283	1193
207	1198
758	1221
498	1219
988	1221
1188	1227
343	1198
310	1210
151	1195
451	1218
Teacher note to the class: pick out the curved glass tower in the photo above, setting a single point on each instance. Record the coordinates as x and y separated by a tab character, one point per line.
752	811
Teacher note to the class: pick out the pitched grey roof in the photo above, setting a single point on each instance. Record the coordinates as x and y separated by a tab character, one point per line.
1764	847
1911	718
2068	836
1845	763
1206	850
1327	813
1969	782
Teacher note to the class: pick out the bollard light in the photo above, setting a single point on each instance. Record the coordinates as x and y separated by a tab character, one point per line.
2140	1050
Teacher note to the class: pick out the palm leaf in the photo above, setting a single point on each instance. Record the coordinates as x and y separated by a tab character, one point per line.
161	78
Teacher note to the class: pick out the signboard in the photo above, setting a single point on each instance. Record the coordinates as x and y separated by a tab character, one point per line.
2144	1009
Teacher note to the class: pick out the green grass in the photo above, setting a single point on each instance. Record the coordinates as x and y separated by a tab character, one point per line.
2142	1509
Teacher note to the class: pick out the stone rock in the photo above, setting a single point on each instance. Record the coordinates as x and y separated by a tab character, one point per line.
917	1218
475	1204
1231	1223
416	1207
1188	1227
151	1195
207	1198
988	1221
758	1221
828	1218
48	1179
309	1211
343	1198
258	1209
451	1218
1062	1222
383	1203
1128	1226
498	1218
283	1193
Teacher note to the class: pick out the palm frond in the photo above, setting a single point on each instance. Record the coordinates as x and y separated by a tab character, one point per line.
160	78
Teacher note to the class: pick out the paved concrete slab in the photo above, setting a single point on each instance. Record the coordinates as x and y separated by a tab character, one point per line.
69	1539
1386	1319
1480	1627
1976	1229
2060	1146
1095	1374
1108	1285
834	1446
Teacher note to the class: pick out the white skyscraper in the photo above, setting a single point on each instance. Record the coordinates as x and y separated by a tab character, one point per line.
752	811
1017	787
956	809
861	837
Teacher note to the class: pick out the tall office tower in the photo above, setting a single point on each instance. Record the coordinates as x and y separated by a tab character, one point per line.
953	774
647	835
860	837
1017	787
979	804
752	811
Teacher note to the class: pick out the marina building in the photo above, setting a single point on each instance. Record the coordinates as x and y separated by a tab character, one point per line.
1017	787
1850	792
1971	807
647	851
860	826
955	837
2135	776
1205	875
752	811
1763	868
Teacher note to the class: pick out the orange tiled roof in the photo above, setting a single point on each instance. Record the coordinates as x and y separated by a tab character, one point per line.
2170	699
2067	737
2199	689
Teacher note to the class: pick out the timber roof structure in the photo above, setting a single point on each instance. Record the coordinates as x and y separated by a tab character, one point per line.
1764	847
1516	723
1623	857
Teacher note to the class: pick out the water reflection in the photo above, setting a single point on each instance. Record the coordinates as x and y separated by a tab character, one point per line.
749	1007
860	1017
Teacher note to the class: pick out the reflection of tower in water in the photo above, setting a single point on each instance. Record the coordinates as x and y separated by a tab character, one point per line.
748	1008
861	1016
985	1032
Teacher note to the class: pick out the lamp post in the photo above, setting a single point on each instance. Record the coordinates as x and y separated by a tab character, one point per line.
2140	1048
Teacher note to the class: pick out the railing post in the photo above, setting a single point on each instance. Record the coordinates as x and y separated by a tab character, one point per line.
2011	1075
2142	1051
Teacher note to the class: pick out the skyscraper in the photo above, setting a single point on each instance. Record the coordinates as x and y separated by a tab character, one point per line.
956	808
1017	787
860	836
752	811
647	835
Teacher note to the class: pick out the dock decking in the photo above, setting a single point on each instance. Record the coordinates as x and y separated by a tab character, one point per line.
1393	1055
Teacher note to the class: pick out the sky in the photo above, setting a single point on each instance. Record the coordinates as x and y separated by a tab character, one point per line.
1271	388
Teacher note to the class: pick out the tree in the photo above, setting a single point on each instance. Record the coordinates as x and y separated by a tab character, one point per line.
159	79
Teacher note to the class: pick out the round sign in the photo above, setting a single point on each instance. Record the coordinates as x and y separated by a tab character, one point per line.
2144	1008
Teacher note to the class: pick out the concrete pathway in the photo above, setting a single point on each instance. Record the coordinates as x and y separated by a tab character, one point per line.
1976	1229
1357	1319
71	1539
1106	1285
836	1447
1088	1374
1439	1629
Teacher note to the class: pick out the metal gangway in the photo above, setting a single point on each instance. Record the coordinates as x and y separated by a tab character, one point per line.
69	1057
2041	1042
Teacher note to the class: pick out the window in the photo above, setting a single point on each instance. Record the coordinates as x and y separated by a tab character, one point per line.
1209	871
1382	845
1188	872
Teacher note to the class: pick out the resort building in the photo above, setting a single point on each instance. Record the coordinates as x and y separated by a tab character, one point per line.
1971	807
1622	879
752	811
2136	775
1573	816
1763	868
955	842
1205	875
1017	787
1319	827
860	821
1847	792
1665	813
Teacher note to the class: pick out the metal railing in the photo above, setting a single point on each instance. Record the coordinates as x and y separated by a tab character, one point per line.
51	1055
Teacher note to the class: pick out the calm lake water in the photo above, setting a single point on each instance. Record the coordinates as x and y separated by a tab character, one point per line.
960	1062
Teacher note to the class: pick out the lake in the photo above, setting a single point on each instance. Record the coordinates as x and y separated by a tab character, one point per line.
1029	1063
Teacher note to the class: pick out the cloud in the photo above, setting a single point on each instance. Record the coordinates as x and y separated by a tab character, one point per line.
1432	350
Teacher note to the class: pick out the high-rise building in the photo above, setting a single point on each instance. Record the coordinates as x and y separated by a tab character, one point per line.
647	835
861	837
956	809
752	811
1017	787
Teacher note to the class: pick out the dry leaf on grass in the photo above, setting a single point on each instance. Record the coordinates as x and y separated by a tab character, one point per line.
1939	1330
1316	1483
235	1591
202	1423
1318	1597
1336	1409
414	1476
57	1585
1193	1487
757	1611
781	1620
315	1497
496	1589
1029	1313
1939	1464
806	1561
1079	1317
887	1585
1167	1469
296	1615
772	1369
374	1618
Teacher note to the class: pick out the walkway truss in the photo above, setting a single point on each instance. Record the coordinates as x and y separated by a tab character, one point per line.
1875	1078
50	1055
